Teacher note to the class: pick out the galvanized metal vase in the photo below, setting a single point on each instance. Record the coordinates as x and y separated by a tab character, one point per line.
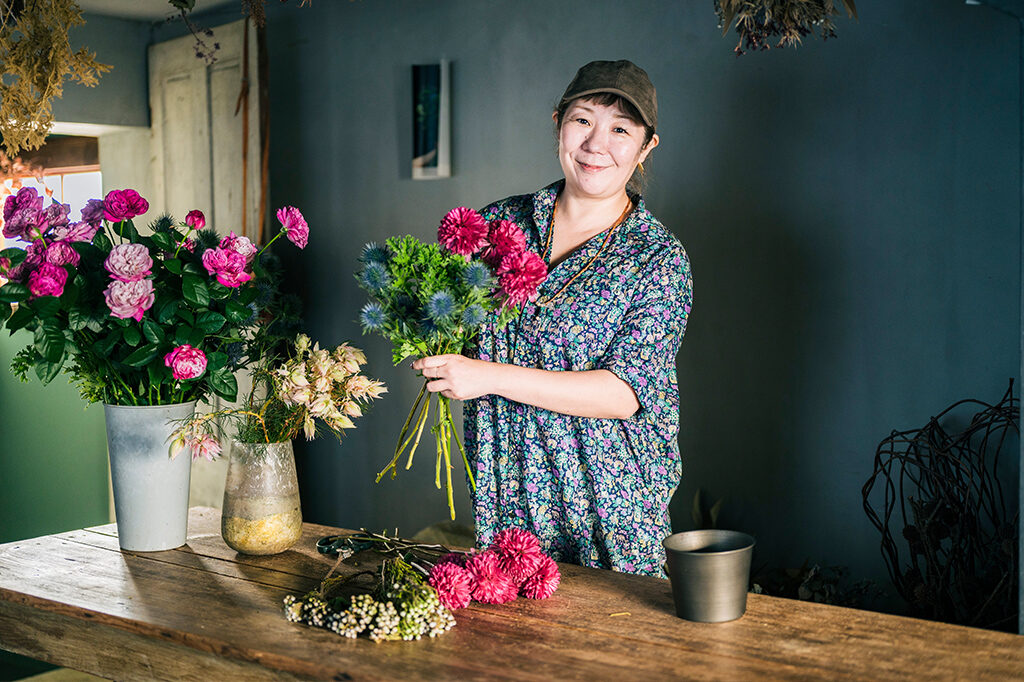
150	488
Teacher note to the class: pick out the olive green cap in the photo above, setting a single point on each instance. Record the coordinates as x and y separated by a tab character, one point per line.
623	78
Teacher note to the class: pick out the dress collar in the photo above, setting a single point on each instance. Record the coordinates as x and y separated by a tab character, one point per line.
544	206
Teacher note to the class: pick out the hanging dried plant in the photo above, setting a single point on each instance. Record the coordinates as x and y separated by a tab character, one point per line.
759	22
16	169
36	56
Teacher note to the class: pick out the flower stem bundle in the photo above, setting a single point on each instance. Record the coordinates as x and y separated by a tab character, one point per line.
432	298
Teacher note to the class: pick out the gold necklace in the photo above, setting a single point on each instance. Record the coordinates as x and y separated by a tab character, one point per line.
544	303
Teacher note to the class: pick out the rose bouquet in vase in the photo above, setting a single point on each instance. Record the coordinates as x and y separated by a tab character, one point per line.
147	324
432	298
304	389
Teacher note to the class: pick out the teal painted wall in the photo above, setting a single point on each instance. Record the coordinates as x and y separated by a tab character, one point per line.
53	464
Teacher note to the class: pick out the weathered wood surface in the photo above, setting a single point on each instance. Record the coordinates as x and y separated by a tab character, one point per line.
203	612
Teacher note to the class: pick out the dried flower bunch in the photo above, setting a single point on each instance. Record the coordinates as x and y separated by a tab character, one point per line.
311	390
759	22
36	59
432	298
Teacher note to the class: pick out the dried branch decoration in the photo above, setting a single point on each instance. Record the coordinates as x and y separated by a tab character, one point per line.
37	58
760	21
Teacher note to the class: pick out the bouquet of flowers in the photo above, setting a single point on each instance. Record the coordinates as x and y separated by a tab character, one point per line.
432	298
313	388
135	319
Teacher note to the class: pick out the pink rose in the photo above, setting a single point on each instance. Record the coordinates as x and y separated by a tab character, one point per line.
186	362
47	280
75	232
61	253
195	219
240	245
123	204
294	225
129	262
228	266
129	299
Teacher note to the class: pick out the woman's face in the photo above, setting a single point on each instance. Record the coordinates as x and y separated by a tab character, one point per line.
599	148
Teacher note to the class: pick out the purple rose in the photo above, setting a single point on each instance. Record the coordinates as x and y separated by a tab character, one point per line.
186	362
228	266
26	198
62	253
129	262
92	212
129	299
53	216
240	245
123	204
47	280
294	225
195	219
75	232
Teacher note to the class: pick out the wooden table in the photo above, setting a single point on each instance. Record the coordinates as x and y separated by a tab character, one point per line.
202	612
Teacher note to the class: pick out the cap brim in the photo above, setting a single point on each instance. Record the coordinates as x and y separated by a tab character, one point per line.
614	91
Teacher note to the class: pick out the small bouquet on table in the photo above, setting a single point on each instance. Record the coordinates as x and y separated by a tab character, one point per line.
147	324
432	298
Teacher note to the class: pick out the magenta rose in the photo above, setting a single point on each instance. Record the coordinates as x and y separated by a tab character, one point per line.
294	225
240	245
61	253
186	362
129	299
228	266
195	219
123	204
129	262
47	280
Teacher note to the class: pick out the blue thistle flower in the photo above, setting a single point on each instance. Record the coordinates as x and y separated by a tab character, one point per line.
473	316
476	274
375	253
372	317
374	277
440	306
235	352
428	327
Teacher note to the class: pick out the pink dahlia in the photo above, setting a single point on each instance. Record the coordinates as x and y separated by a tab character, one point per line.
519	553
186	362
519	276
294	225
123	204
490	584
544	580
47	280
129	299
129	262
227	265
195	219
453	584
504	238
462	231
61	253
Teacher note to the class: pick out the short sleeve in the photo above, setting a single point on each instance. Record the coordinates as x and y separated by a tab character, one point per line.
643	351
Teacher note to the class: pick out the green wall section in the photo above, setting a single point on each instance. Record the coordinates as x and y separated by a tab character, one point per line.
53	455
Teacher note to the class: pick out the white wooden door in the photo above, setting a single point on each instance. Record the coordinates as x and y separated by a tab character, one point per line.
196	144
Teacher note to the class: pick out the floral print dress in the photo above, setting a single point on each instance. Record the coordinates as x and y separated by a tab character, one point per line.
595	491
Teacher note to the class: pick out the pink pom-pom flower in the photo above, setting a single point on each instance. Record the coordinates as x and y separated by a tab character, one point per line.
544	581
504	238
462	231
519	276
453	584
519	553
491	585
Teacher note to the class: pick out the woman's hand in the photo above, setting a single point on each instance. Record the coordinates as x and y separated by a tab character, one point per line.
455	376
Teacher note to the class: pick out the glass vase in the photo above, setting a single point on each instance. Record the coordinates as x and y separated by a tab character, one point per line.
261	512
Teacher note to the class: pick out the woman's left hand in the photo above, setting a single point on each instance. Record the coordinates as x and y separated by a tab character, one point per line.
455	376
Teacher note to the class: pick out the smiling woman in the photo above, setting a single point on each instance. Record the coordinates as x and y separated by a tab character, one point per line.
572	408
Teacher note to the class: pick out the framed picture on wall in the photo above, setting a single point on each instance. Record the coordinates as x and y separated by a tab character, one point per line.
431	129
